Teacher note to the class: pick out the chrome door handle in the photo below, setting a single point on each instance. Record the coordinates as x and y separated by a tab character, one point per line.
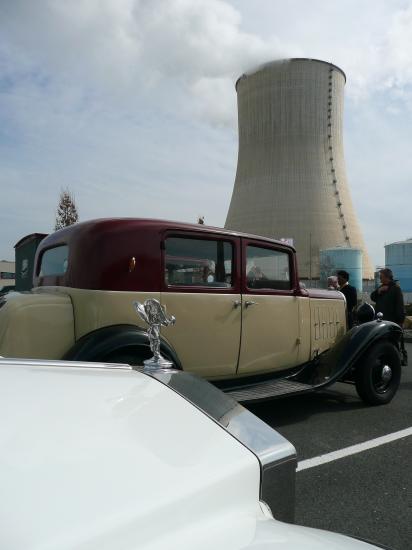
237	303
250	303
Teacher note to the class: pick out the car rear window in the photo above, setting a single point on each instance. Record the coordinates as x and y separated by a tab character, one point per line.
54	261
198	262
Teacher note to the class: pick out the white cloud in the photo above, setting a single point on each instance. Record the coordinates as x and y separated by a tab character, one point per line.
370	40
127	46
398	48
117	48
110	98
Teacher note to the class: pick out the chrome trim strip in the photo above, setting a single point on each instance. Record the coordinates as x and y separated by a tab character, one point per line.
276	455
16	362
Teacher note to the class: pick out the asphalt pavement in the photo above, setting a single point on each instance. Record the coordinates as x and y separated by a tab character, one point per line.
367	494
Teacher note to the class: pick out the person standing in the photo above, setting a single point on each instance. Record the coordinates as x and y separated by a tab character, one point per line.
388	298
349	292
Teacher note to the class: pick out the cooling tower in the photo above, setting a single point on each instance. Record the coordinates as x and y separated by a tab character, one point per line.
291	178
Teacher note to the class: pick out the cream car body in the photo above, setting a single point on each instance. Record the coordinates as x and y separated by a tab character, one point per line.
40	324
99	456
240	309
235	329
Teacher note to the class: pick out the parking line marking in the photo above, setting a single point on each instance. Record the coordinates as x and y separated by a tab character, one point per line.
353	449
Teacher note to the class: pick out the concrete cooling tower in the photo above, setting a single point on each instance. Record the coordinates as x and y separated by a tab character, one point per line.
291	178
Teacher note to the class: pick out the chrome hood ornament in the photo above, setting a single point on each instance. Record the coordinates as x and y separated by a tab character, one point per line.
152	313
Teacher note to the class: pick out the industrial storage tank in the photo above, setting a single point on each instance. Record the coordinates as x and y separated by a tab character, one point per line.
349	259
398	257
291	176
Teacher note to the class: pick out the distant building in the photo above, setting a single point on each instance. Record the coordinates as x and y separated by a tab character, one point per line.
7	273
25	253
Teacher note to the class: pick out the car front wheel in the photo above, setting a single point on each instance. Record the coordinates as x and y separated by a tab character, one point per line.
379	374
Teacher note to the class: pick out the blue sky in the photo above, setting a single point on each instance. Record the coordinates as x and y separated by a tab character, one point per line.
131	104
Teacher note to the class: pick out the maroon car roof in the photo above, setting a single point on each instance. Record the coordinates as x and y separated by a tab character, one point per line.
100	252
116	223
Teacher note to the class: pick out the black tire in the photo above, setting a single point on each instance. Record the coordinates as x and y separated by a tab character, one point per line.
372	386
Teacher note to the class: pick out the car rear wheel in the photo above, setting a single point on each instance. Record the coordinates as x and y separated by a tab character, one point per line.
379	374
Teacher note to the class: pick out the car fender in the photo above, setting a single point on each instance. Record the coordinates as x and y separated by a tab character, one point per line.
104	341
334	364
36	324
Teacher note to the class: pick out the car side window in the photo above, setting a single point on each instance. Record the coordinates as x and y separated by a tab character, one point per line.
267	268
54	261
198	262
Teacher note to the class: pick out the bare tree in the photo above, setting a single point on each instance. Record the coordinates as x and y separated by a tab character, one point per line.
66	211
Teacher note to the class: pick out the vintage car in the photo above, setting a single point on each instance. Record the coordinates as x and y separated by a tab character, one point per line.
106	456
243	319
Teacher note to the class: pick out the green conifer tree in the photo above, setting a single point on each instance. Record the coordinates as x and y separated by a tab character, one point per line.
66	210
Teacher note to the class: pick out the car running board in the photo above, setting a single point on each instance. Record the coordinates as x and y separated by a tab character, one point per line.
267	389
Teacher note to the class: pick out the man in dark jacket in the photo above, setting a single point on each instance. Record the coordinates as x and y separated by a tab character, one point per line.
349	292
389	298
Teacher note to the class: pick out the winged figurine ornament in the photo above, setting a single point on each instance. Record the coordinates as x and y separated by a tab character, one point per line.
152	312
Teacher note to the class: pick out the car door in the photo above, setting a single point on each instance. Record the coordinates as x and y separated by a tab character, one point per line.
201	288
270	309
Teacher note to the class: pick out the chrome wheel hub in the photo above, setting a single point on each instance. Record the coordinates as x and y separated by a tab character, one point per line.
386	373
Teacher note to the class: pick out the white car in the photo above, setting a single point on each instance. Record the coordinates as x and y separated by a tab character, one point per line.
109	457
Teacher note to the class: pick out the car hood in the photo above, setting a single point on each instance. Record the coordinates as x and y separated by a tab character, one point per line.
236	531
274	535
110	458
106	458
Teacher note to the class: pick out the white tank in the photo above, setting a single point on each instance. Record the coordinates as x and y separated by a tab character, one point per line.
291	177
349	259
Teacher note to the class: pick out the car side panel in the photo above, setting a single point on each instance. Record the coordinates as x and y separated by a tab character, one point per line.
328	323
94	309
269	333
36	325
206	335
304	335
270	314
